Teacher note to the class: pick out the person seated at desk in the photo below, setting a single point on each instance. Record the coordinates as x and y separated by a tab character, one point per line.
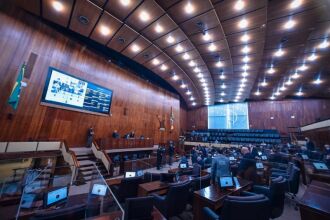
220	167
309	144
247	165
115	134
200	161
184	160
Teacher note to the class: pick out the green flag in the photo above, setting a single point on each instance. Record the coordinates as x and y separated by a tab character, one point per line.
15	93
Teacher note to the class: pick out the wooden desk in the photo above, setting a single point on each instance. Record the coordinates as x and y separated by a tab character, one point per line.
156	214
213	197
158	186
315	202
312	174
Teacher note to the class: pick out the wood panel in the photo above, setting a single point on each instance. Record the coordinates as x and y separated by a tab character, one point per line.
197	118
136	102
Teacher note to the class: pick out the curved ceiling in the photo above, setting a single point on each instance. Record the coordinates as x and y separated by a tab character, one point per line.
211	51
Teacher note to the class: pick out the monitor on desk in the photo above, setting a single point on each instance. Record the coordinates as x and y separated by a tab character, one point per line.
130	174
320	166
259	165
56	196
226	182
232	158
259	153
304	157
139	173
263	157
183	166
99	189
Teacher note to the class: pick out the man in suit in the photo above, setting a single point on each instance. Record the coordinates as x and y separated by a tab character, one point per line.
309	144
170	153
220	167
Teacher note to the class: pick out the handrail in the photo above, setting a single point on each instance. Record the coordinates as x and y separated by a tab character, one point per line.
102	155
72	154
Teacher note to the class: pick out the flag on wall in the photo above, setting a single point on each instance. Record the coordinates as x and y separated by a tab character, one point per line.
15	93
172	119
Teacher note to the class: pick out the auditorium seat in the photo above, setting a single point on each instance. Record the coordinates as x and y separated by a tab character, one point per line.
139	208
128	188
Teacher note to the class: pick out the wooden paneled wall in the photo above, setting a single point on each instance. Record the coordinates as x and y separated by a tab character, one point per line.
136	102
260	114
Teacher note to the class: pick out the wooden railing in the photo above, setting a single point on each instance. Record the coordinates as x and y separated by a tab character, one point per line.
112	143
71	158
101	155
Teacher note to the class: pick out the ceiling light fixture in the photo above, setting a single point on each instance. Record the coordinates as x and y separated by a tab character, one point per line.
183	85
283	88
245	67
155	61
206	36
223	86
159	28
219	64
243	23
289	24
245	38
135	48
200	75
58	6
125	2
324	44
191	63
295	75
170	39
212	47
264	83
185	56
279	52
194	103
144	16
105	31
163	67
179	48
295	4
246	49
271	70
196	70
312	57
222	93
303	67
239	5
245	74
317	81
246	59
188	92
257	93
175	77
189	8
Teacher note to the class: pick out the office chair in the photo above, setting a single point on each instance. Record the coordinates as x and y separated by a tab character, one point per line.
175	201
139	208
196	172
248	207
150	177
128	188
67	213
275	193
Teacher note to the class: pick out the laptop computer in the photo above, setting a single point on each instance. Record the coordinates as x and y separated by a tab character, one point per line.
232	159
304	157
99	189
226	182
130	174
183	166
263	157
259	165
320	166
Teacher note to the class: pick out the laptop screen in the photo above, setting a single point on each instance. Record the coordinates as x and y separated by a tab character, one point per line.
226	181
259	165
320	166
183	165
231	158
304	156
129	174
264	157
139	173
259	153
99	189
55	196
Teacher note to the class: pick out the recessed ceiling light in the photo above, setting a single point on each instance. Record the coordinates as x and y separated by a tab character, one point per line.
188	92
324	44
317	81
223	86
170	39
163	67
222	76
245	67
303	67
221	100
283	88
219	64
144	16
239	93
185	56
271	70
206	36
105	31
289	82
194	103
159	28
246	59
200	75
239	5
222	93
295	4
135	48
191	63
155	61
204	84
212	47
58	6
295	75
246	49
277	93
202	80
244	80
257	93
242	85
299	93
236	100
241	89
175	77
289	24
312	57
243	23
191	98
272	98
245	38
125	2
178	48
189	8
264	83
183	85
279	52
205	88
196	70
245	74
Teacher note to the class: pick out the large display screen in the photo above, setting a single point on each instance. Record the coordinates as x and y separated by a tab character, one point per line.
69	92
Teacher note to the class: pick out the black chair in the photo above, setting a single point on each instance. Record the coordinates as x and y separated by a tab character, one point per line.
248	207
196	171
139	208
275	193
281	171
175	201
128	188
67	213
168	177
149	177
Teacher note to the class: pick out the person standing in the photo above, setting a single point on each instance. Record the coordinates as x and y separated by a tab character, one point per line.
170	153
159	157
115	134
90	136
309	144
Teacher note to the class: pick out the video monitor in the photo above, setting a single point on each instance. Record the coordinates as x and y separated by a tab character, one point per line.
130	174
139	173
320	166
56	196
27	200
183	165
226	182
304	156
259	153
264	157
259	165
232	158
99	189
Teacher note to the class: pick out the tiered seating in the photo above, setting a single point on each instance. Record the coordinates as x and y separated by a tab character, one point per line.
236	136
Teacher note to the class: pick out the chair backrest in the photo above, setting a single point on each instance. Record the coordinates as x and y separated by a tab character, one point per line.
149	177
69	213
139	208
201	182
277	196
168	177
196	169
177	198
129	187
255	207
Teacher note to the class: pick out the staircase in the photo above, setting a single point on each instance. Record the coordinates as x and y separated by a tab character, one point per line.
87	160
295	134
